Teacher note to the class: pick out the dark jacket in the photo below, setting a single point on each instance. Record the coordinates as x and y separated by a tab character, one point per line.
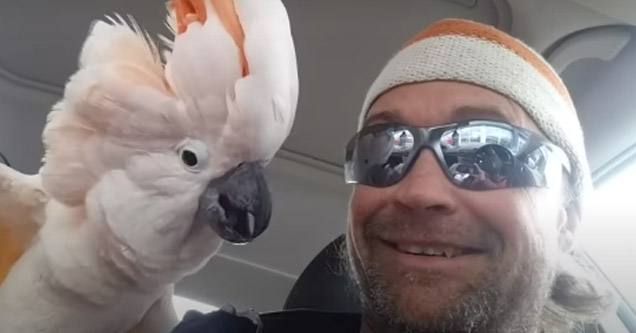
306	321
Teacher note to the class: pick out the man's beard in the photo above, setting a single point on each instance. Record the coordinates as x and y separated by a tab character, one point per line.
506	302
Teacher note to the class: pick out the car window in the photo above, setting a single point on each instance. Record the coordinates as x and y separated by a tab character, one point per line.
608	235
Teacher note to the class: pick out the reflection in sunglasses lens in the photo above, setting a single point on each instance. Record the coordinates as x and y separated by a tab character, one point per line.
477	156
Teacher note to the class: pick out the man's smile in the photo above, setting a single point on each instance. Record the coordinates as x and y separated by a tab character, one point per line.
432	255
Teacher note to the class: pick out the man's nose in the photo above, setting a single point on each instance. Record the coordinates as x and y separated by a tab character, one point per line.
426	187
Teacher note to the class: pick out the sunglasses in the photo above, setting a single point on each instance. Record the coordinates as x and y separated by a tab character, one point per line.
474	155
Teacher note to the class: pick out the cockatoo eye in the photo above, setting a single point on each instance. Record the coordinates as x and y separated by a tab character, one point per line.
193	155
189	158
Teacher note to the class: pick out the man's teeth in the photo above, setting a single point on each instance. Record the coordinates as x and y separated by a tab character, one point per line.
430	251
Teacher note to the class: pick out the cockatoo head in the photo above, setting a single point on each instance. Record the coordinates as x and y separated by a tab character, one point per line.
162	150
240	54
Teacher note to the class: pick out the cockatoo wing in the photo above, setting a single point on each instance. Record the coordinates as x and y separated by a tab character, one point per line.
22	203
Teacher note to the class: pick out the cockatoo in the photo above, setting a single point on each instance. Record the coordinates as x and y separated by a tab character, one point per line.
151	161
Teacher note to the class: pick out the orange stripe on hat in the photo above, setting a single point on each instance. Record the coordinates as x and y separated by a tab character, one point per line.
477	30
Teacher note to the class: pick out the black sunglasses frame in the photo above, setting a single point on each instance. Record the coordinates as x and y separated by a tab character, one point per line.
431	137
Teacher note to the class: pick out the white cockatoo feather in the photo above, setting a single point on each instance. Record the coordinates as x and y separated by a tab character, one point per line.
264	101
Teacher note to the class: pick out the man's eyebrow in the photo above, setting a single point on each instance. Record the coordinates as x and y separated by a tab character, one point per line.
464	113
386	116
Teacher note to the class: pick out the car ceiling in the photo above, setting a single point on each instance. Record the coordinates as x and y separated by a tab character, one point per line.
341	46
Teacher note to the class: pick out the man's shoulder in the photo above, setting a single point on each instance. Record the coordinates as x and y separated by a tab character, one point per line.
272	322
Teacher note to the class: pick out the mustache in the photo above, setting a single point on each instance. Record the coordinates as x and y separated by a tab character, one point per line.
392	224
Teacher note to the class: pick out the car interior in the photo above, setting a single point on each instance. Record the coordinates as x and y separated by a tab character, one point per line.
341	46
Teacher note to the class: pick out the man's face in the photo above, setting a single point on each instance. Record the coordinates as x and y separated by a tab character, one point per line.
503	242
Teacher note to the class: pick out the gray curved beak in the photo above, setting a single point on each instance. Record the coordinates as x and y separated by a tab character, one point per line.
238	206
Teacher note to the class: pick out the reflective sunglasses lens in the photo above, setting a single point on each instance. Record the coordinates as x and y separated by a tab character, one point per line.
378	155
482	157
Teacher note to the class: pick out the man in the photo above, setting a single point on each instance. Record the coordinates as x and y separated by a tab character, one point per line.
431	253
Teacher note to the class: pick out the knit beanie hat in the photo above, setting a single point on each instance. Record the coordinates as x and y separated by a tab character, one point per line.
470	52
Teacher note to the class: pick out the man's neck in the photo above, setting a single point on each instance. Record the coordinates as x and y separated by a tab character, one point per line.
364	327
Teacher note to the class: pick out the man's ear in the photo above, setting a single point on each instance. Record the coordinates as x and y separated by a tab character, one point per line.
568	221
